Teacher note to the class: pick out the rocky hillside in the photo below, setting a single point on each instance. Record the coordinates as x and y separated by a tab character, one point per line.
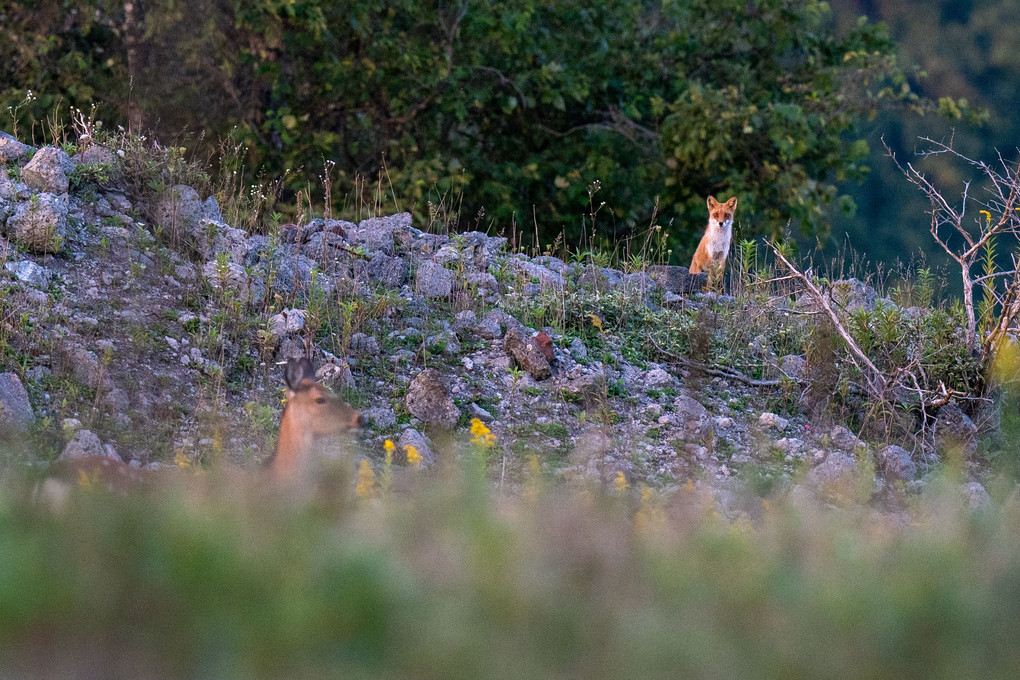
147	327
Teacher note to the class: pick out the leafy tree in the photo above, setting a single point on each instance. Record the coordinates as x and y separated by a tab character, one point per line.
519	106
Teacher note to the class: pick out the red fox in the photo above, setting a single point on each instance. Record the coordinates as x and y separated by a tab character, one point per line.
715	244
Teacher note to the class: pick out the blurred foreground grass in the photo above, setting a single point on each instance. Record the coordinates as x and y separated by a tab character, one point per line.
223	577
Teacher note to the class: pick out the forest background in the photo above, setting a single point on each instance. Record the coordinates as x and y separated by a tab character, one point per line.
547	118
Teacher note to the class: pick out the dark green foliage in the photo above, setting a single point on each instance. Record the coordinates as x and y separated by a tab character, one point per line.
520	106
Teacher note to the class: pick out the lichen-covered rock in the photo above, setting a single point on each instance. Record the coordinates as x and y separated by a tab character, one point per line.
96	155
287	322
48	171
39	224
412	437
525	349
29	272
86	444
231	278
389	271
691	418
377	233
678	280
11	150
896	462
953	429
429	400
433	281
180	210
15	410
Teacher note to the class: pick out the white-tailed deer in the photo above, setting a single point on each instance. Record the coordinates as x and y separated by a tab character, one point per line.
312	411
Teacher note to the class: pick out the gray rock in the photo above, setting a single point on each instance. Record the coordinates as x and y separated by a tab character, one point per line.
377	233
96	155
117	401
657	378
380	417
84	444
389	271
896	462
536	273
180	211
29	272
83	364
412	437
429	400
119	202
953	429
848	295
324	246
480	413
843	438
40	224
287	322
291	274
692	418
15	410
525	350
465	324
48	170
836	473
364	345
231	278
577	350
774	421
490	327
678	280
975	496
793	366
638	283
11	150
433	281
225	239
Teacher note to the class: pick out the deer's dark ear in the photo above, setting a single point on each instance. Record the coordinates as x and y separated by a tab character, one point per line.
298	370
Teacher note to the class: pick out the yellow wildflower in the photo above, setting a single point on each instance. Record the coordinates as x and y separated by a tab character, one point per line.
596	321
388	446
366	480
480	434
620	483
413	457
181	460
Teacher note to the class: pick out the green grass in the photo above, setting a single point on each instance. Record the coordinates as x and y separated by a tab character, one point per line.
206	577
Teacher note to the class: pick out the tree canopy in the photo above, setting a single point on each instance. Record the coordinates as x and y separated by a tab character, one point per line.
518	107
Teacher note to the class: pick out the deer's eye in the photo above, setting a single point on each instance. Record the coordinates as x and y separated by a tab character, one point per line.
320	400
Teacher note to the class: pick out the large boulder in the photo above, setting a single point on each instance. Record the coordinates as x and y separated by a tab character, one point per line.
39	224
48	171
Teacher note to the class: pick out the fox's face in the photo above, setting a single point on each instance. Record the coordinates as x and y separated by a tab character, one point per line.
721	214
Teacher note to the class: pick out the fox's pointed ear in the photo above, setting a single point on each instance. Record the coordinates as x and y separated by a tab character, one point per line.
712	203
732	203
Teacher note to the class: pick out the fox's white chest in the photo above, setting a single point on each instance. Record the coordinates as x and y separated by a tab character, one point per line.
717	238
